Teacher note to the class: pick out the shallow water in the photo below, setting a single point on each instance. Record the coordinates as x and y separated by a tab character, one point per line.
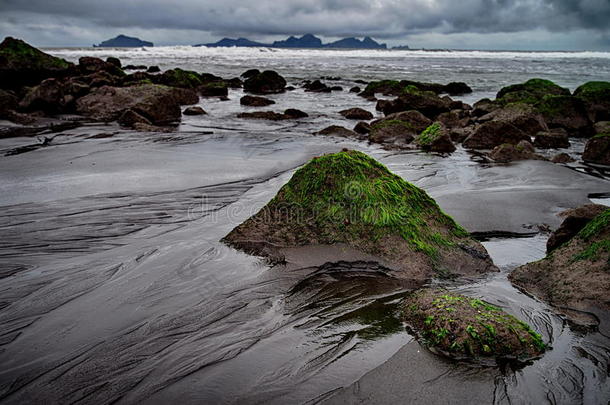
114	286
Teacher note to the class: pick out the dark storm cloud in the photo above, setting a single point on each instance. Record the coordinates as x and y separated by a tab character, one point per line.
332	18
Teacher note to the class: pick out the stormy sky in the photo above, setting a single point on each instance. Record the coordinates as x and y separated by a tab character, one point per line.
457	24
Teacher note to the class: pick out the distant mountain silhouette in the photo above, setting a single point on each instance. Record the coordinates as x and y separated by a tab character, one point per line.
306	41
123	41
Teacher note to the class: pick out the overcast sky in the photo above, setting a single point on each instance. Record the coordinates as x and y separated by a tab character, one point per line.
458	24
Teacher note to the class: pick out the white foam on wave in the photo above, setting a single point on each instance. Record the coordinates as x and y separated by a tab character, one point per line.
273	53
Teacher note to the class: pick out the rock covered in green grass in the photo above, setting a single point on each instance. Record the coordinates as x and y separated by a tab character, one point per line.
350	198
24	65
468	328
596	96
530	92
574	277
435	138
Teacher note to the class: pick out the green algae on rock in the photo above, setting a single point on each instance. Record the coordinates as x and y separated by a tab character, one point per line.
574	277
350	198
530	92
466	328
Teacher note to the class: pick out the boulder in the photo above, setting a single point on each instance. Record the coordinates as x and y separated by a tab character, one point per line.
602	127
520	115
8	102
428	104
507	152
214	89
355	89
450	119
562	158
88	65
294	113
266	82
574	277
574	221
23	65
317	87
457	89
336	130
530	92
596	96
597	150
153	69
348	198
566	112
159	104
255	101
114	61
48	96
250	73
362	128
263	115
465	328
556	138
391	131
138	78
235	83
129	118
435	139
494	133
186	79
484	107
194	110
356	114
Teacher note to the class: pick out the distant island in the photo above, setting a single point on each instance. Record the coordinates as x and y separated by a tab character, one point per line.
123	41
306	41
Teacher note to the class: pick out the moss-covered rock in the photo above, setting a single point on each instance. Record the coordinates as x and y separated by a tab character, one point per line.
494	133
186	79
507	152
596	96
349	198
23	65
214	89
566	112
574	277
397	88
468	328
520	115
435	138
530	92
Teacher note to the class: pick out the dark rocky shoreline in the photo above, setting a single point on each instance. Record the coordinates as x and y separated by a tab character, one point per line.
39	91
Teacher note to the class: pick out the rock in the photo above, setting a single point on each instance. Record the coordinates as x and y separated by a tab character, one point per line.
596	96
317	87
372	211
294	113
566	112
138	78
484	107
459	135
130	118
195	110
255	101
562	158
574	277
101	78
450	119
530	92
383	104
263	115
186	79
556	138
114	61
457	89
214	89
507	152
234	83
250	73
153	69
520	115
23	65
336	130
355	89
159	104
356	114
336	88
602	127
429	105
435	139
362	128
88	65
494	133
266	82
8	101
574	221
135	67
465	328
597	150
396	132
48	96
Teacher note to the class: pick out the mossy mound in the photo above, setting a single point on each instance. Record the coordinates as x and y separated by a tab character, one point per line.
22	64
267	82
468	328
596	95
350	198
435	139
576	276
397	88
177	77
530	92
